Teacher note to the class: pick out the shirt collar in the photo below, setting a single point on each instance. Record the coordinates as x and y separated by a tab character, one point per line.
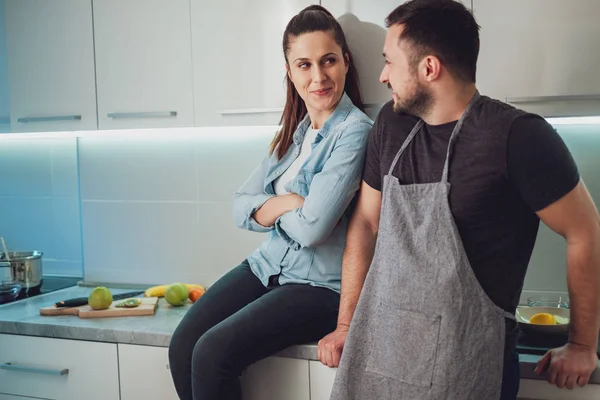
339	114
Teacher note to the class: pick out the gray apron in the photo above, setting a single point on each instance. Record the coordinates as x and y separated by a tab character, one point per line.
423	328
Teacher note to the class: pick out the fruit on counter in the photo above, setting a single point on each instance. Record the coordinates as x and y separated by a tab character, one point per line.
129	303
176	294
159	291
100	298
195	294
543	319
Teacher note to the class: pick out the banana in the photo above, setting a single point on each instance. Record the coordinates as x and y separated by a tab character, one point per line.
159	291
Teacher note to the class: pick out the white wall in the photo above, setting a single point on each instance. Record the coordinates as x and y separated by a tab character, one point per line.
39	201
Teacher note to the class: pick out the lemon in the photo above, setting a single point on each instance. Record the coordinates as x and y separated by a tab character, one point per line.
176	294
543	319
100	298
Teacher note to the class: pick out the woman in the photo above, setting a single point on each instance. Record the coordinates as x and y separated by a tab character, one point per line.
287	291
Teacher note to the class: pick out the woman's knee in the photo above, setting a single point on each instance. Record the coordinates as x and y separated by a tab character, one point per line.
214	351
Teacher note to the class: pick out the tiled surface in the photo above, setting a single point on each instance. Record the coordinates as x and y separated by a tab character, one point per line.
159	210
39	201
547	269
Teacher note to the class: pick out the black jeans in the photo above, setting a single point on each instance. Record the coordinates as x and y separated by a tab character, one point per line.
239	321
511	378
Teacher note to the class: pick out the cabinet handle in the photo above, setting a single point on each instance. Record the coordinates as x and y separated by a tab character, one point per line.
157	114
21	368
546	99
252	111
46	119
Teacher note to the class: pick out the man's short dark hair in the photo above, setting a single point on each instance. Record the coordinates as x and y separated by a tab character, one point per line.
443	28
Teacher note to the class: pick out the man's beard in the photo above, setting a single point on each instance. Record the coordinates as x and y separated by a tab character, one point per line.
419	104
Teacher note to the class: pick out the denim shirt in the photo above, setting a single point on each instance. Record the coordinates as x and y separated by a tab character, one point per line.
306	245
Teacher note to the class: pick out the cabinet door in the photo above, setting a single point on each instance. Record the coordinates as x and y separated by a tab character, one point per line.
277	378
321	380
541	55
143	63
239	72
50	59
11	397
58	368
363	22
149	365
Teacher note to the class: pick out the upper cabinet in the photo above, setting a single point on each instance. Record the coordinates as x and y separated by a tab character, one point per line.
50	63
363	22
144	63
239	68
541	55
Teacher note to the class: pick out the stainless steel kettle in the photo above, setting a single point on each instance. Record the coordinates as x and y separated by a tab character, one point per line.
25	266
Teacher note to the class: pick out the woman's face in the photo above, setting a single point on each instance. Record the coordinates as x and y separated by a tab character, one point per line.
318	70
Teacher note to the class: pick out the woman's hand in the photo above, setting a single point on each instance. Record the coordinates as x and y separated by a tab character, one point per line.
276	206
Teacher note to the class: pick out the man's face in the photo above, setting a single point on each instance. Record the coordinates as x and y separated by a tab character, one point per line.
401	74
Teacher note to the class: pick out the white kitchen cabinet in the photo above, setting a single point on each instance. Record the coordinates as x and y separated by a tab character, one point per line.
541	55
58	369
149	365
540	389
277	378
50	63
321	380
363	22
144	63
239	68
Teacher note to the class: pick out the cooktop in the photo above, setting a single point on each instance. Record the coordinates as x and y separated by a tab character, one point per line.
540	344
49	284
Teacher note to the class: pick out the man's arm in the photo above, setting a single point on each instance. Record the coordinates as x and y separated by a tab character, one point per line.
360	246
576	218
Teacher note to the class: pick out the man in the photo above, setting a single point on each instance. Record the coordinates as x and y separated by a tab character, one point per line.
454	187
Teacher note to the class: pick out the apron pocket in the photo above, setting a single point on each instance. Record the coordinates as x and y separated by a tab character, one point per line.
404	345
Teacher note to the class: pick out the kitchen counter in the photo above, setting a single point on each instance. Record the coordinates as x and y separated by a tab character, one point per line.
23	318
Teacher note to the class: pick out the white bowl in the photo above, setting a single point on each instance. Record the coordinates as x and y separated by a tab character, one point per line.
524	314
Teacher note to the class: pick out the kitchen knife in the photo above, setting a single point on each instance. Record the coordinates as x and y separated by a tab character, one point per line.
82	301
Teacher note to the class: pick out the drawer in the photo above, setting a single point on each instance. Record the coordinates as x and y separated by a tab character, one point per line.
58	369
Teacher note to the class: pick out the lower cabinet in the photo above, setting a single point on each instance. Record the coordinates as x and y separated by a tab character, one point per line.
144	373
533	389
57	369
277	378
321	380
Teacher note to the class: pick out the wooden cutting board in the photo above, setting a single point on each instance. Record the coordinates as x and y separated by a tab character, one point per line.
148	307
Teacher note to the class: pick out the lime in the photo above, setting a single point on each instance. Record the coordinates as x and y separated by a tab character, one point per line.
176	294
100	298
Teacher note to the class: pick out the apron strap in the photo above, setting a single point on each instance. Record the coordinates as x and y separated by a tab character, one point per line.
508	315
410	137
455	131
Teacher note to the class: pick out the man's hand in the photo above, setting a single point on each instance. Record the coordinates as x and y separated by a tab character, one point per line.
331	346
569	365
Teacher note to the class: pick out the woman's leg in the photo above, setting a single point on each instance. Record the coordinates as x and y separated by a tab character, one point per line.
233	291
286	315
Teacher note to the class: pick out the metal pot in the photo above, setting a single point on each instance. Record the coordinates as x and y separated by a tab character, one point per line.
26	268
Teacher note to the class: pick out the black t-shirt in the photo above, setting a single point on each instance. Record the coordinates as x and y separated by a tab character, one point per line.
497	184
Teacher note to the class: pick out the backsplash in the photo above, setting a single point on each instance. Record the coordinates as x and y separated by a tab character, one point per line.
39	201
154	206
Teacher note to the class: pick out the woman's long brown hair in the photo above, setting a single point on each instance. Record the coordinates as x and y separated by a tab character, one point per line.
313	18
